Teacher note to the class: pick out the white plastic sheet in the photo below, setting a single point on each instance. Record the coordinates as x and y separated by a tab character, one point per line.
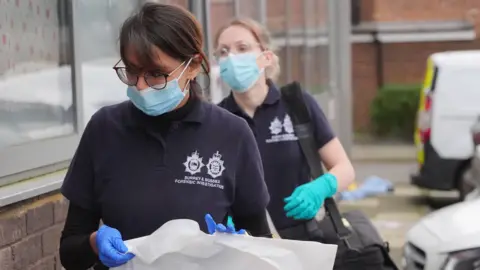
181	245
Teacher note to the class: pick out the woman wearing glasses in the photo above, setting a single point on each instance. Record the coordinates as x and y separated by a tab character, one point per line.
165	154
248	66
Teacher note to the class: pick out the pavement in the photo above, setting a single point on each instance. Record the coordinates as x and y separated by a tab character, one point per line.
382	152
394	214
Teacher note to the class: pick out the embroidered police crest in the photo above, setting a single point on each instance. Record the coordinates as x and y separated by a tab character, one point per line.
194	163
215	165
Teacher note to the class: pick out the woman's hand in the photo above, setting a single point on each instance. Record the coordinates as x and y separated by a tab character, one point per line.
110	247
307	199
213	227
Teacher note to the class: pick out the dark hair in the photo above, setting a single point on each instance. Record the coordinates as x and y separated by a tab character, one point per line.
172	29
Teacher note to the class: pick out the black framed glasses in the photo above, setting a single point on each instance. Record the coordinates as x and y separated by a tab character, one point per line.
154	79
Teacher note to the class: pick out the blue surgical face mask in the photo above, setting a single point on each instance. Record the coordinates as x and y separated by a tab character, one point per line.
157	102
240	71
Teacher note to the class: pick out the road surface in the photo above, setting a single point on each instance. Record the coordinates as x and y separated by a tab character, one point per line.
395	213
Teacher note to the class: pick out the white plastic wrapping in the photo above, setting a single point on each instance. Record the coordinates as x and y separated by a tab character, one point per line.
181	245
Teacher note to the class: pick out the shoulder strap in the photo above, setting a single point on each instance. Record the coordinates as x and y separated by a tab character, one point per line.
292	95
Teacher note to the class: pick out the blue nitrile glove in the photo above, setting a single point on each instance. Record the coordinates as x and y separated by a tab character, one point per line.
307	199
213	227
111	248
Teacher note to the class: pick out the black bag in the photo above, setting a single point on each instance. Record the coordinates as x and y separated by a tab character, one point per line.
360	246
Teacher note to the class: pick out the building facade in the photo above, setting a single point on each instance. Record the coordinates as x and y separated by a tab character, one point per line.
393	39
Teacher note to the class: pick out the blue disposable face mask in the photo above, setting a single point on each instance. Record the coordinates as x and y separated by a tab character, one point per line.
240	71
157	102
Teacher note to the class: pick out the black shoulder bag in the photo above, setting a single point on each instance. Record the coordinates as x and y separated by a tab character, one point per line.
360	246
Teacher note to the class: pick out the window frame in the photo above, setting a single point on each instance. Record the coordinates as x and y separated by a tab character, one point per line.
38	157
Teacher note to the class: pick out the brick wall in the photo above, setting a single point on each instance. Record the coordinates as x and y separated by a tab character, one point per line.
30	233
416	10
364	83
403	63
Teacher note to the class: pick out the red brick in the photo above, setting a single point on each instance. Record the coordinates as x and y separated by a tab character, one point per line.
367	10
40	217
6	259
12	228
27	252
224	12
60	209
47	263
364	83
51	240
58	263
439	10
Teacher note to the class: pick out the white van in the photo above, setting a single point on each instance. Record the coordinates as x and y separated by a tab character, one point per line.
449	106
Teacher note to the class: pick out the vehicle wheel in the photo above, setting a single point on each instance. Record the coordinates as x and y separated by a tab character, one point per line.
465	186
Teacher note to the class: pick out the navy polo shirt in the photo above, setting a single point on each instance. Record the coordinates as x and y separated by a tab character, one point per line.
138	177
285	166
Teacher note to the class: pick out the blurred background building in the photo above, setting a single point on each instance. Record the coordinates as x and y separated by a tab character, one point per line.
392	40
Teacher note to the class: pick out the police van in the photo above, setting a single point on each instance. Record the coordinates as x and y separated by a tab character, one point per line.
449	107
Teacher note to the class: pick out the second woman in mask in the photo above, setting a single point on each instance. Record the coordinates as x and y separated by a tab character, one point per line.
249	66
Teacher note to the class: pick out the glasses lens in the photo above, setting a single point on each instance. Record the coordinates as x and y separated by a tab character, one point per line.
156	80
221	53
243	48
126	77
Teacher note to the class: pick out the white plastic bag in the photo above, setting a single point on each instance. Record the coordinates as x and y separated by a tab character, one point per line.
181	245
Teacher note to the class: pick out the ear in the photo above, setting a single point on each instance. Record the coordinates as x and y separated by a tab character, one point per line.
265	59
194	67
193	71
268	56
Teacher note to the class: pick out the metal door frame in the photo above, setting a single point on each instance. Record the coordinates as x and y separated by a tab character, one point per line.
340	67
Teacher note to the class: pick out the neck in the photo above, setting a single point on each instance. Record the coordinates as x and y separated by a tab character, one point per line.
249	101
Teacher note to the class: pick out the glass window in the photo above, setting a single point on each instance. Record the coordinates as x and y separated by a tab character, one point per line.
276	23
309	47
222	12
39	127
249	8
321	64
296	41
276	19
98	25
38	112
35	72
183	3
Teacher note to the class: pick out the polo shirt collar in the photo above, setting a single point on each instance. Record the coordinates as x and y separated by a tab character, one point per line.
273	96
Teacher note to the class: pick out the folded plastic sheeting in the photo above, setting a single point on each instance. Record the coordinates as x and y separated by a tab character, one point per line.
181	245
372	186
